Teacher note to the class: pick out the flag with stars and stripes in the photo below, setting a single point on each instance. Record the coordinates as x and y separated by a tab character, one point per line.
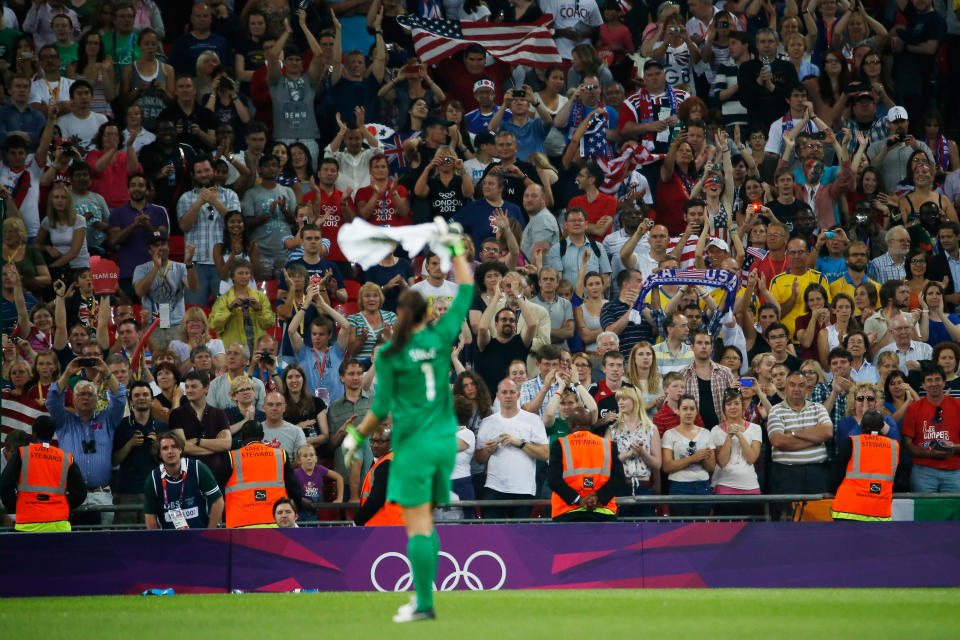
593	144
616	170
530	44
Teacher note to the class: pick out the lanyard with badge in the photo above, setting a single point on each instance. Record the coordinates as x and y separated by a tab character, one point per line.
322	392
176	515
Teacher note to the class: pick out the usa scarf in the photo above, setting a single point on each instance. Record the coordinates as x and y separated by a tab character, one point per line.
705	277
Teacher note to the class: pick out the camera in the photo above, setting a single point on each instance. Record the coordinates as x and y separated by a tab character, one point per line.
266	358
447	160
245	302
829	234
87	362
861	219
676	30
226	83
518	93
589	87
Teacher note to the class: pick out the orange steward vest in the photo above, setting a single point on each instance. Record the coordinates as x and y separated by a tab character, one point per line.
587	461
866	492
390	513
42	487
255	483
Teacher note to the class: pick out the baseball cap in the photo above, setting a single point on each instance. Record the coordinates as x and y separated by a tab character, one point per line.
483	83
652	62
897	113
159	236
433	121
484	137
719	244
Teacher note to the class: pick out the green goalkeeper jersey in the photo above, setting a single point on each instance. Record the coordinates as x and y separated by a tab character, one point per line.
414	383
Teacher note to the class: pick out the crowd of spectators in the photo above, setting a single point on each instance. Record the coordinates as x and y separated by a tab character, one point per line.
213	150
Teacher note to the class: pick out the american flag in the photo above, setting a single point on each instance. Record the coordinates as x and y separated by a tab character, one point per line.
430	9
19	413
616	170
530	44
593	144
625	5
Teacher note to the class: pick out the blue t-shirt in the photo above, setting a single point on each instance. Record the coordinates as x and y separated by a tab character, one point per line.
832	268
530	136
477	219
329	378
477	122
382	275
348	94
10	313
319	268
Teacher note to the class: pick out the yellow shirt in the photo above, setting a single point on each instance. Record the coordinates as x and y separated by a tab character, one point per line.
782	288
843	285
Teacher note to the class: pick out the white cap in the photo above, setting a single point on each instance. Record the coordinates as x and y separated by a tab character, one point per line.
483	83
897	113
719	244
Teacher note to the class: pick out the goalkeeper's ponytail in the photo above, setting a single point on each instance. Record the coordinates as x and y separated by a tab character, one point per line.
411	311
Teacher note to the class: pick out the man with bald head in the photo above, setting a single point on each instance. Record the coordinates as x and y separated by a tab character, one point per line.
911	352
542	230
892	264
509	443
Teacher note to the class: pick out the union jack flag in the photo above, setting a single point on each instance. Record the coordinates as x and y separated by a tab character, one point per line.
393	149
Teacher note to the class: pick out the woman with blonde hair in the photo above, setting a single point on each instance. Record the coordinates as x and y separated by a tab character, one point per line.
34	273
371	319
638	442
862	397
195	332
887	363
642	373
207	63
812	374
63	234
761	369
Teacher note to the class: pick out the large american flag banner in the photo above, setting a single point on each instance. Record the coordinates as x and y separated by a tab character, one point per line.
530	44
19	413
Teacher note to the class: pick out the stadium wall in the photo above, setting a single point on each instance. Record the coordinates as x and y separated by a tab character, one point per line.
536	556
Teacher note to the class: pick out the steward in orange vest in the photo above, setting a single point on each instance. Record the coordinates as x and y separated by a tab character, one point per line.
870	461
584	473
261	475
42	483
374	510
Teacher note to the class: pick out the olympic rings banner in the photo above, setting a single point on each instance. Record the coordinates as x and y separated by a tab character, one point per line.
573	556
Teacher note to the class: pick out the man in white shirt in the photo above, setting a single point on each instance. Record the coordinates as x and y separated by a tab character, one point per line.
50	87
81	125
575	22
20	175
485	144
354	159
435	285
509	443
911	352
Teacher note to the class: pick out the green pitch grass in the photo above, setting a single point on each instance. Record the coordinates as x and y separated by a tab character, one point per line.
744	614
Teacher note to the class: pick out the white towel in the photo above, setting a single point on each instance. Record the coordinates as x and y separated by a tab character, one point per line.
367	244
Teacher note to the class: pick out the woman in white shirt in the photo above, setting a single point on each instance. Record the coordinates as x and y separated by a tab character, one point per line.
688	459
638	442
461	480
63	234
737	444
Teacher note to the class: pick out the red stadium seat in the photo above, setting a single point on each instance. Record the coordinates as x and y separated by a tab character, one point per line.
347	308
270	288
353	289
176	248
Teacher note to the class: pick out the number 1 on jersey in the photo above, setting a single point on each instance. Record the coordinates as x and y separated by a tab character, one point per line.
431	383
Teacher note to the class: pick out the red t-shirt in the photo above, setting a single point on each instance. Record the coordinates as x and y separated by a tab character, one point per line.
385	213
671	196
667	419
332	206
918	423
461	83
604	205
770	268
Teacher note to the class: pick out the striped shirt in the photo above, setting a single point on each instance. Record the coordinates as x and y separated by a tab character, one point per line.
207	231
732	109
667	362
784	419
883	268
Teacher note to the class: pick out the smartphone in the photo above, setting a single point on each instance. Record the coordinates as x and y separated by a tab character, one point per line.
746	382
303	4
518	93
411	69
87	362
829	234
26	55
756	207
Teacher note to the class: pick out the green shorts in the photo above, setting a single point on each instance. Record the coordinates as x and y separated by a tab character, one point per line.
420	474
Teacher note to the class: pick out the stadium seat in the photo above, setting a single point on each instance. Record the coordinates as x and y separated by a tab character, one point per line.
347	308
270	288
353	289
177	248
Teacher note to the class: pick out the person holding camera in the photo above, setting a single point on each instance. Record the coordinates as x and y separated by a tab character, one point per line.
891	156
161	285
530	131
132	449
225	103
442	184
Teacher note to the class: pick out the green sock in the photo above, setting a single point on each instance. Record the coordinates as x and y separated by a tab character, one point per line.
423	561
436	542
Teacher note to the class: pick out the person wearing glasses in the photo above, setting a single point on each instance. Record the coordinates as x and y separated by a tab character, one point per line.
911	352
863	397
931	433
916	275
688	459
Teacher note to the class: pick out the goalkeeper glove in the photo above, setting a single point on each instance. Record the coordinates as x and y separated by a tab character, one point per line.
451	235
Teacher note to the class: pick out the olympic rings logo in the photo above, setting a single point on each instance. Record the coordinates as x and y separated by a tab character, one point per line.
450	582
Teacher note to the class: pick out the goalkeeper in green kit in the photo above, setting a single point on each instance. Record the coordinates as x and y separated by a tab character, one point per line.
413	374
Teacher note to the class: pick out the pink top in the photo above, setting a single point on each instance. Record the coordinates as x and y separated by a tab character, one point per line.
617	35
112	183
